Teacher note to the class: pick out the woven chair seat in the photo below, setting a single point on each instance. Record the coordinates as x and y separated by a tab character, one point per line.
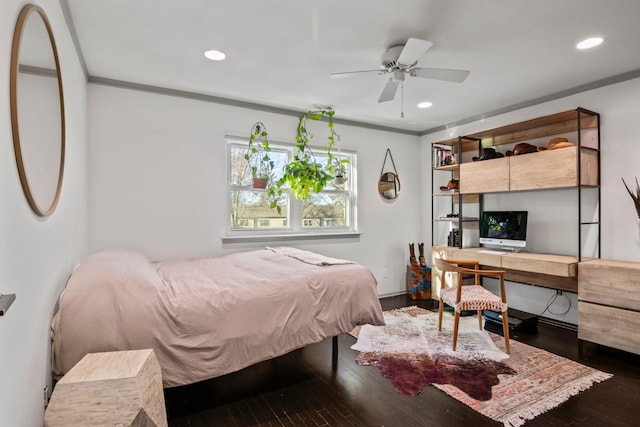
473	298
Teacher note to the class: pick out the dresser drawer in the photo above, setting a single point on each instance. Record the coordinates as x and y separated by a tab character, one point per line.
609	282
610	326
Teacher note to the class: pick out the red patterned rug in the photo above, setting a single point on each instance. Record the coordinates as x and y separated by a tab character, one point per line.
411	353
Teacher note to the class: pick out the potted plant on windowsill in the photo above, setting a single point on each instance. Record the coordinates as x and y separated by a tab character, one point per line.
257	156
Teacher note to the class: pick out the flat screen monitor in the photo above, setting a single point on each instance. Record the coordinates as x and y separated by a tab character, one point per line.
504	229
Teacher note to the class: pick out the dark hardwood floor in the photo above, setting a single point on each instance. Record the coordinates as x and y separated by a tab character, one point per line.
304	388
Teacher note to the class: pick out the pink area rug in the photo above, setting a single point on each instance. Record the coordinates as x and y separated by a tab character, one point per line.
411	353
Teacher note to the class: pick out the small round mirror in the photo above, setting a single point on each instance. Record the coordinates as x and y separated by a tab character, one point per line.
37	110
389	185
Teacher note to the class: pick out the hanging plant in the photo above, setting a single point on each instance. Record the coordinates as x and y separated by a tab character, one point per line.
340	172
304	174
257	155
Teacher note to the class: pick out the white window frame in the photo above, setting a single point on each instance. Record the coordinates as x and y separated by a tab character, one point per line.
294	212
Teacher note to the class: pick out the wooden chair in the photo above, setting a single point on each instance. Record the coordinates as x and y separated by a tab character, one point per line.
471	297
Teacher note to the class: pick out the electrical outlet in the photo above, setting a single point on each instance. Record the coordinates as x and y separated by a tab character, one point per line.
385	273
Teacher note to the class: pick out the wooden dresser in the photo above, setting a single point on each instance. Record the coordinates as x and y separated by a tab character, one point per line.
609	303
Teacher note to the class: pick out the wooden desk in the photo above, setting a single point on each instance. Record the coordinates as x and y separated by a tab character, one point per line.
549	271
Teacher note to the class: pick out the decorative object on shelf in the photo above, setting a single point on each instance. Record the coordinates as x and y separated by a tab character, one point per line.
635	197
487	154
555	143
257	156
389	182
453	184
522	148
449	160
304	173
442	155
454	238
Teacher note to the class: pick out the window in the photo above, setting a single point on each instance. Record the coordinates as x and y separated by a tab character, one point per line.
331	211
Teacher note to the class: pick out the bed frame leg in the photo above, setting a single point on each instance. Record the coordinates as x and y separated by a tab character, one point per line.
334	351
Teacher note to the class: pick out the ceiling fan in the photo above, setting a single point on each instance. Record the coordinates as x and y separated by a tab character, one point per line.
400	61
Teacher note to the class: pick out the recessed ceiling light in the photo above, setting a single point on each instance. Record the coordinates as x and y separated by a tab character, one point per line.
425	104
215	55
589	43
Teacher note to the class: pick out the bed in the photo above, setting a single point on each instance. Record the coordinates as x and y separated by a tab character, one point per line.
211	316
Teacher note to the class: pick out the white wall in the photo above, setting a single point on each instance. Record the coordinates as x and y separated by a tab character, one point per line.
37	255
155	159
158	180
553	228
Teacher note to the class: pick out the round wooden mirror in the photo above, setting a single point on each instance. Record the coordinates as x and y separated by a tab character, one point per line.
37	110
389	185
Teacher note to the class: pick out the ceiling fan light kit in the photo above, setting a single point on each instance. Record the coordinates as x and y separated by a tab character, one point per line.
402	60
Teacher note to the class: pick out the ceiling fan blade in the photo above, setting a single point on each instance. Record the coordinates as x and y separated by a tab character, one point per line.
446	74
354	73
413	50
389	91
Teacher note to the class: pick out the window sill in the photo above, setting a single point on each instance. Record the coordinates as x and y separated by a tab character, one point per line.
289	237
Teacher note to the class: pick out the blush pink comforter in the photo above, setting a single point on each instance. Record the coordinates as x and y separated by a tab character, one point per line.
212	316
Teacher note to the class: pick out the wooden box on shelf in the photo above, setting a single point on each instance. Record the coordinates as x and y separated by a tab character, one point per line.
485	176
553	169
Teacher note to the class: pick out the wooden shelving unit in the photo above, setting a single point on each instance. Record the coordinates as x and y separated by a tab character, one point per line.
575	167
458	199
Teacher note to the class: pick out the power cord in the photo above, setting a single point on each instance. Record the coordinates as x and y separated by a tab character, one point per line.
550	303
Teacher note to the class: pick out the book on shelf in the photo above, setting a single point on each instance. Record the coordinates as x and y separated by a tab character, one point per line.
442	155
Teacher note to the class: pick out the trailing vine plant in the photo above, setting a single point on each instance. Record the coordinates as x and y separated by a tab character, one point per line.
257	155
304	173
